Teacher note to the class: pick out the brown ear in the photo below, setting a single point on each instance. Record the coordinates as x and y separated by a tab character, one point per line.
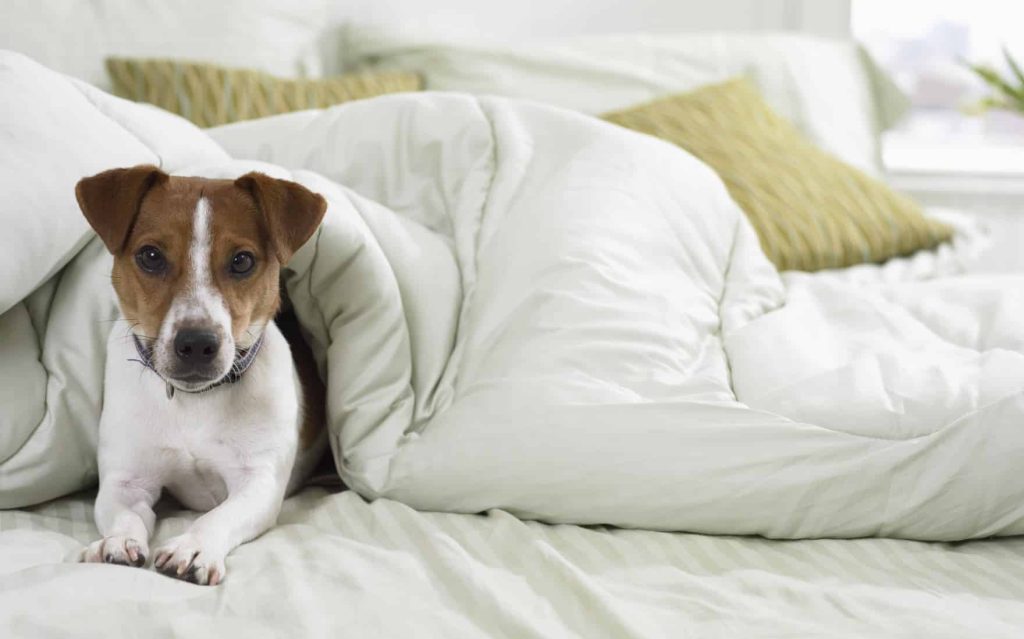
111	201
291	211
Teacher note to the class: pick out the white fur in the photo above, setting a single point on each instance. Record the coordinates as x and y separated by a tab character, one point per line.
199	301
229	450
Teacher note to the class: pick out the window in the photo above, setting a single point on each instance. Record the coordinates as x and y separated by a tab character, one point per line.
923	44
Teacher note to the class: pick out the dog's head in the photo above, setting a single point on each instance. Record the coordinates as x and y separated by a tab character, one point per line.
197	261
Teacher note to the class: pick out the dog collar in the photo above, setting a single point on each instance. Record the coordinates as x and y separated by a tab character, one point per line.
243	360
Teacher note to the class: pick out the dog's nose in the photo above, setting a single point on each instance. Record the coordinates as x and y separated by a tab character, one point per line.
196	346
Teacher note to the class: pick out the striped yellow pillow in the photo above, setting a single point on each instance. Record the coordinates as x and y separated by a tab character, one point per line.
210	95
810	210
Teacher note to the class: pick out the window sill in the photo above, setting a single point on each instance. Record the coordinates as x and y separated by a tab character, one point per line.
970	173
963	156
983	180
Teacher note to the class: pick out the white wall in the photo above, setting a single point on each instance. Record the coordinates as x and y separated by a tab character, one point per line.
520	19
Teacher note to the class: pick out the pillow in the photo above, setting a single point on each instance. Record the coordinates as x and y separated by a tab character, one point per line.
830	89
75	36
811	211
210	95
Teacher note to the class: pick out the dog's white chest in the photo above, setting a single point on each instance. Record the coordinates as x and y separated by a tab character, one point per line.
197	456
197	482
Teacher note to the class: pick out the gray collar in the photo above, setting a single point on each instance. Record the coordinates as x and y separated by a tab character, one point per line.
243	360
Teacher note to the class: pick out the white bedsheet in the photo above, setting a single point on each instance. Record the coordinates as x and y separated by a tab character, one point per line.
337	566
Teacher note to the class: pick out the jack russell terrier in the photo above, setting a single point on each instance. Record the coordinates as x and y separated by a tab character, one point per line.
205	397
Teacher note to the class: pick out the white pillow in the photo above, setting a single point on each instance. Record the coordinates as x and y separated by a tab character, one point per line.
828	88
75	36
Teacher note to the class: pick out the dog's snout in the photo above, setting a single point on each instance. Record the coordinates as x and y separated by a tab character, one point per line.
196	346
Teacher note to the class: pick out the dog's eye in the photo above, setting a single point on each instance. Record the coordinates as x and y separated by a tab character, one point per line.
242	262
150	259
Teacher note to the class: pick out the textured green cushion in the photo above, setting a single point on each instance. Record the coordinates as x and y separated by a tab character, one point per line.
210	95
811	211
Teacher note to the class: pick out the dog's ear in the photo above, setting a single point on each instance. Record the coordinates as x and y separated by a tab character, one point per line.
291	211
111	201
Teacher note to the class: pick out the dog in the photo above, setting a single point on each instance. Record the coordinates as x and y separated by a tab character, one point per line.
205	396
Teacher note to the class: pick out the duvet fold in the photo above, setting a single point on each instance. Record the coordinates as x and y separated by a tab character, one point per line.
523	308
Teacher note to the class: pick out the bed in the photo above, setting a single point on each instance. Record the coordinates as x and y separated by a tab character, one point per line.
336	565
364	561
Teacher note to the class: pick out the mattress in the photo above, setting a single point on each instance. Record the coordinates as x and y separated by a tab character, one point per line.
337	565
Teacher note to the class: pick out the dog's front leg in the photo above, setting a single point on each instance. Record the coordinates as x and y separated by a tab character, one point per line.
251	507
124	516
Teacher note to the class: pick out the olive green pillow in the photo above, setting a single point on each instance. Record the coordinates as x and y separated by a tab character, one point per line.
810	210
210	95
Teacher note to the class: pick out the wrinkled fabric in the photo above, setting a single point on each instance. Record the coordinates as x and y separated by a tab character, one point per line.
524	308
336	566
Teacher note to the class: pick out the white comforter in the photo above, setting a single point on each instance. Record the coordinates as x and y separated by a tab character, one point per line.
528	309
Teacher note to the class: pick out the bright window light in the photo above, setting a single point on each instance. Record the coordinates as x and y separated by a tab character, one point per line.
923	44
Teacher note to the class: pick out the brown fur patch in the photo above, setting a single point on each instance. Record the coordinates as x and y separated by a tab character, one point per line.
236	225
314	403
165	220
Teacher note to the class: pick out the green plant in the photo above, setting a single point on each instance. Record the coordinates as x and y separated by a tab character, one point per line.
1007	91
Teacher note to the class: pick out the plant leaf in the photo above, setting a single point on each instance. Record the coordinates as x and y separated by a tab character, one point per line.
996	81
1014	66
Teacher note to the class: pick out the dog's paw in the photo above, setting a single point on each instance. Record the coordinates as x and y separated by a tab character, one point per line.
124	551
184	557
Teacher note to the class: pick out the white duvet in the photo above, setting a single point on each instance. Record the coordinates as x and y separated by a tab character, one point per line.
523	308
